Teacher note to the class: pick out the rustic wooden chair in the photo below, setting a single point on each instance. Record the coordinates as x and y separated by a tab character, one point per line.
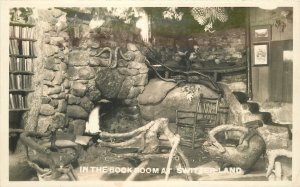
196	124
51	159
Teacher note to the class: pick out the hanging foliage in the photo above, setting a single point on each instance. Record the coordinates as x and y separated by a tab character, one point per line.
208	15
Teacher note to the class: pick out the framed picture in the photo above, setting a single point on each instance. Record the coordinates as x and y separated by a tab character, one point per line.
260	54
261	33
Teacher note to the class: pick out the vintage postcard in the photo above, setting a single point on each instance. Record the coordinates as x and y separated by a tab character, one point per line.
130	93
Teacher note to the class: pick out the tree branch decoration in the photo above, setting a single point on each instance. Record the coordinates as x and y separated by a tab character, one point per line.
148	136
203	15
275	166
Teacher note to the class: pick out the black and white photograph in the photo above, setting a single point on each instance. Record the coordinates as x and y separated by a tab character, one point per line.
262	33
148	93
261	54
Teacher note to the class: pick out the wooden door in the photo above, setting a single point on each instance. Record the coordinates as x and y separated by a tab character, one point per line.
281	72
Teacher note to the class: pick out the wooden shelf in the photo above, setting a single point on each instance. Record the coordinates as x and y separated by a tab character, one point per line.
22	72
22	56
19	109
23	39
14	23
20	90
18	97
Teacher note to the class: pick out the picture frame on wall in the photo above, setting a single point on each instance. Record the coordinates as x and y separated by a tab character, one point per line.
261	54
261	33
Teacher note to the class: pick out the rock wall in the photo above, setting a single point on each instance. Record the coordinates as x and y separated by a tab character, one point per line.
70	78
48	101
55	88
92	79
105	63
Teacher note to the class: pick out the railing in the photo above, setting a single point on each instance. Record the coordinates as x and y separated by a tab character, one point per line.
172	75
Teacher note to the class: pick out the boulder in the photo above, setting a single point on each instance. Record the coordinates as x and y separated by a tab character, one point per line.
54	90
136	65
143	70
86	104
62	106
276	137
76	112
47	16
73	100
65	35
45	100
109	82
54	103
78	58
48	83
78	126
61	23
95	61
135	91
56	13
155	91
140	80
78	89
184	98
122	63
43	123
50	50
58	41
48	75
58	79
45	91
126	86
46	109
86	73
47	38
59	96
66	83
72	73
59	120
51	65
131	47
130	102
63	67
94	95
93	44
127	71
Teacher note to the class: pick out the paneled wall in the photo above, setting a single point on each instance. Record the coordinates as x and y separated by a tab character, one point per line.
273	82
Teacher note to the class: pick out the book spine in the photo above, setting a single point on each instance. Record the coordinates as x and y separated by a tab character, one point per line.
25	102
12	101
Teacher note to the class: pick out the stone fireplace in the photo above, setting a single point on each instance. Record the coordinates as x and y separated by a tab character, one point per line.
72	78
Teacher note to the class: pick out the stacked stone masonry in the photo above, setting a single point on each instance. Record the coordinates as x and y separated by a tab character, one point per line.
54	55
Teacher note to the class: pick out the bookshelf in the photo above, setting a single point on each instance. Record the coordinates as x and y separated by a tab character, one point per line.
21	62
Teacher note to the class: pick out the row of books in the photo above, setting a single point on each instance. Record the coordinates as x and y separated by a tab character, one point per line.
20	64
17	101
21	32
19	47
20	81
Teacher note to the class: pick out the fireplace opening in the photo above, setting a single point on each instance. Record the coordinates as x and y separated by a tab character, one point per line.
116	116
